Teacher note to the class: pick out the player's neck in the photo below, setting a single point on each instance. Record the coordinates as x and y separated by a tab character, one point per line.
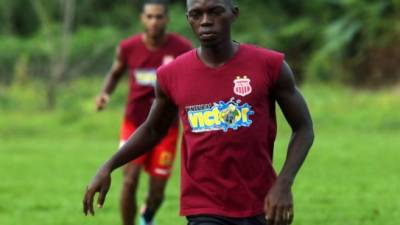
218	55
154	43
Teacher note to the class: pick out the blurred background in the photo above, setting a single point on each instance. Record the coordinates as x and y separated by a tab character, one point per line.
54	55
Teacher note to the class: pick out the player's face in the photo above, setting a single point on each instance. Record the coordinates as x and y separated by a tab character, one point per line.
211	20
154	19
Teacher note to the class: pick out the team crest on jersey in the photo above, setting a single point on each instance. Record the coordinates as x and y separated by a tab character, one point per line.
219	116
242	86
166	158
167	59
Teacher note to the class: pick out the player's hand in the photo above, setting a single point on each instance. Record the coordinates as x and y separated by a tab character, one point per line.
278	204
100	183
101	101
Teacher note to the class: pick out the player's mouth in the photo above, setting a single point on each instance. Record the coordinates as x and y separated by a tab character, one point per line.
208	35
155	29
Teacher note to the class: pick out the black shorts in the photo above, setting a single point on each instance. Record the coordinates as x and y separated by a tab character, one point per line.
220	220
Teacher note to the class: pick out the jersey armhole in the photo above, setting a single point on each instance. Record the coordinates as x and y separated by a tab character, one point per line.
122	52
276	67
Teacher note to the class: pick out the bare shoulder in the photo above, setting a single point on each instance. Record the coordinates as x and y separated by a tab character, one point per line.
286	77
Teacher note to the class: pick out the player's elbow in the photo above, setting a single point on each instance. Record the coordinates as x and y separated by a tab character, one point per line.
306	131
309	134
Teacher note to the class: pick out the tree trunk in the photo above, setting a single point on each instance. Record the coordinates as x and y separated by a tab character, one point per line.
59	65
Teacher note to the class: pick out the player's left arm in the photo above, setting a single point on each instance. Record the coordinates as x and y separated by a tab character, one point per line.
279	201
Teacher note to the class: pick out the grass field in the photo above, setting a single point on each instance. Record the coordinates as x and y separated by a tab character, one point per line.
47	157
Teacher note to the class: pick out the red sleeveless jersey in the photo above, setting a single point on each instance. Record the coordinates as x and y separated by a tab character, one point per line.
142	64
228	114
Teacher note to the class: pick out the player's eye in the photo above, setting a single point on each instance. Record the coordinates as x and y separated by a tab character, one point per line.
217	11
194	15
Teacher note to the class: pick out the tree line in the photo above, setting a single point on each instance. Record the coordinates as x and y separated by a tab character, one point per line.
356	42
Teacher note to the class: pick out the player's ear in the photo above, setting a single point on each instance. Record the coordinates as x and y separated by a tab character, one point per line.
167	18
142	17
235	13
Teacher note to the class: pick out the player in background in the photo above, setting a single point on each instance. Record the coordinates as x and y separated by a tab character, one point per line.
141	55
225	93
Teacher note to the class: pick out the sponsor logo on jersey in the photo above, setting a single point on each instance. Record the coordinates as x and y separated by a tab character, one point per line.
146	77
242	86
219	116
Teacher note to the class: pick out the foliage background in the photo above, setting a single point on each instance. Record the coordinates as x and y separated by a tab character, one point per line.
351	41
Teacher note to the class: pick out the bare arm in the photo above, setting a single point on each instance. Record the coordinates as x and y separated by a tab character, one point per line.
161	116
297	115
110	83
279	202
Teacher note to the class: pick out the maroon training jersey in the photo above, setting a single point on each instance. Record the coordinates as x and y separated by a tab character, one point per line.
228	114
142	64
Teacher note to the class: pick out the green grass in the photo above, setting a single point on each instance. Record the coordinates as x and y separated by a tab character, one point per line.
47	157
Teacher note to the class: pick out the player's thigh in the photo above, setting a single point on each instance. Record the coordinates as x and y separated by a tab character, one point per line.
161	159
127	129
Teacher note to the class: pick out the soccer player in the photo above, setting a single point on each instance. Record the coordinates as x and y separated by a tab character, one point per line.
225	93
141	55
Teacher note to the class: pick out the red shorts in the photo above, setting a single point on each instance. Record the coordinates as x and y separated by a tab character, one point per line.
159	161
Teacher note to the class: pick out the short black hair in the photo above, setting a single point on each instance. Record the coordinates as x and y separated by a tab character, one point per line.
158	2
231	3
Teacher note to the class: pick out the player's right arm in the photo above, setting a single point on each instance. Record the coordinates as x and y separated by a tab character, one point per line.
161	116
110	83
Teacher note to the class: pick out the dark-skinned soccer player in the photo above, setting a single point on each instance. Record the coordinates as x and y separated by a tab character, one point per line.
141	55
225	93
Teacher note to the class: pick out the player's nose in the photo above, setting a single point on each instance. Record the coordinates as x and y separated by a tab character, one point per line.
206	20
